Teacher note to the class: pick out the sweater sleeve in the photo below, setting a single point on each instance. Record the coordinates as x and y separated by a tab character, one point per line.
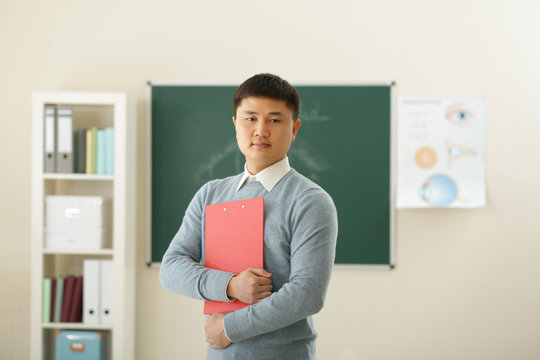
181	269
314	235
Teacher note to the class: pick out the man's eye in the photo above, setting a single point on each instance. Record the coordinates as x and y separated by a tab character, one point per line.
274	120
250	119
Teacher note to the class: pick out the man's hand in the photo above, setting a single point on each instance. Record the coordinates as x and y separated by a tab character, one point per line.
215	333
250	286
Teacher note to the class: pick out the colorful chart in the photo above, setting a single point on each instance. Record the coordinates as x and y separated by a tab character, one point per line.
440	154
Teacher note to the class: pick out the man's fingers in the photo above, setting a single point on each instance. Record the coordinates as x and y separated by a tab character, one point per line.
263	281
260	272
265	288
263	296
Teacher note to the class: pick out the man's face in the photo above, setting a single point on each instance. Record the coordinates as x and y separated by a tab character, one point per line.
265	129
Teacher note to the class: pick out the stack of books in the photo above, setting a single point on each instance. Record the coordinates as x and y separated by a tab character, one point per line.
83	151
94	151
62	299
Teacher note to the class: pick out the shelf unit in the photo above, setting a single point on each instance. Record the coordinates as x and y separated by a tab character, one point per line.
101	110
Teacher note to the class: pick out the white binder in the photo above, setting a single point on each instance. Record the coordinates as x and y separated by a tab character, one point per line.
91	292
50	144
107	287
64	141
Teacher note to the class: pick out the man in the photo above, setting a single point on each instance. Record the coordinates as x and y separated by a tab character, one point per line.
300	231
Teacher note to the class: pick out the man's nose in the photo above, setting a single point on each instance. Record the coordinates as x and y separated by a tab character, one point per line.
261	129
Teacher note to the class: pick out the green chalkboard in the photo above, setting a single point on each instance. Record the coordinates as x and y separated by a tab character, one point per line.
344	145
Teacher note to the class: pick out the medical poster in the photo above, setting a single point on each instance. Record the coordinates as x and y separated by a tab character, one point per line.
440	152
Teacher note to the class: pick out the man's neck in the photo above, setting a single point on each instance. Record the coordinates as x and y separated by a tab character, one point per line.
255	169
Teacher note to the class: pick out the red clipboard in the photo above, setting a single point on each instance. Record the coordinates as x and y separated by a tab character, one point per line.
234	242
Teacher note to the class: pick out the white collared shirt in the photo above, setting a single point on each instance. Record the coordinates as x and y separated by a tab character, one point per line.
268	177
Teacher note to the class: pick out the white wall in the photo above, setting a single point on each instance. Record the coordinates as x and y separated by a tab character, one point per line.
466	283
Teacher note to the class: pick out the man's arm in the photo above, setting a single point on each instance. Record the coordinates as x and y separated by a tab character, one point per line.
182	272
181	269
250	286
312	257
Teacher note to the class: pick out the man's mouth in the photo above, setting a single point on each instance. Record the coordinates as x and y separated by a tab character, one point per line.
260	145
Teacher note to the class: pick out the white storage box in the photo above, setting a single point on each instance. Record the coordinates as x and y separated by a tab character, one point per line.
77	211
72	238
77	222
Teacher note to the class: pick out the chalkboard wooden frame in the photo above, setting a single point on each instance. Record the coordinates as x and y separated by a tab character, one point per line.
389	262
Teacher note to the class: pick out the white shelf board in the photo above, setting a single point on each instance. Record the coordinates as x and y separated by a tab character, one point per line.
77	252
51	176
79	98
74	325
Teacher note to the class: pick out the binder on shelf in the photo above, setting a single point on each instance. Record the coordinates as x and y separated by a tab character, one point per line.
91	135
49	165
69	287
109	156
46	300
58	299
53	299
107	288
234	240
84	149
80	151
101	152
94	149
91	296
75	314
64	141
88	152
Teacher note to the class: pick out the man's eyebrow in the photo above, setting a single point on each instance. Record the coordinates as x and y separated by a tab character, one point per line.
252	112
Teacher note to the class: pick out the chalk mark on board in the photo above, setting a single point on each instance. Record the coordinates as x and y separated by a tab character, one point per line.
313	115
209	167
314	163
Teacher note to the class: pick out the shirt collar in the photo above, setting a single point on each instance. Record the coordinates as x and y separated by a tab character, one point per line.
268	177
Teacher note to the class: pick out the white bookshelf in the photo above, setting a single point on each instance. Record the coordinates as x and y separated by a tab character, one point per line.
101	110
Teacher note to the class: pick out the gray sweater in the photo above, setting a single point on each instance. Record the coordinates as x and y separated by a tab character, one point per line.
300	232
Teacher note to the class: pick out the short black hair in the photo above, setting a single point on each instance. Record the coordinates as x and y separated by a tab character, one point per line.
270	86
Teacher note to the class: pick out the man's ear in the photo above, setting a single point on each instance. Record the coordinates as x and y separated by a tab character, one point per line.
295	127
234	120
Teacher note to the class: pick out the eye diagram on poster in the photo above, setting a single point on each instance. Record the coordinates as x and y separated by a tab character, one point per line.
440	155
